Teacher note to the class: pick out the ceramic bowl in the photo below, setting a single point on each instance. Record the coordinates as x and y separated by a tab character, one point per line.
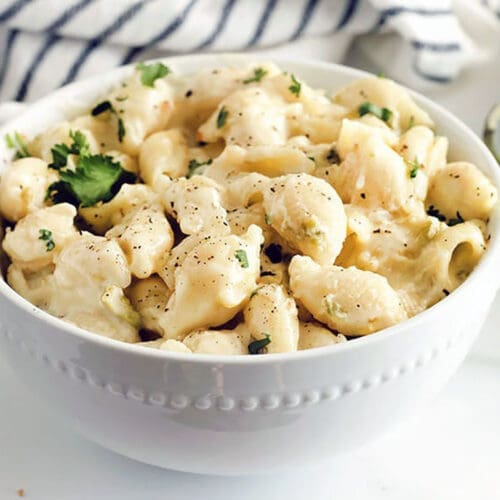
241	415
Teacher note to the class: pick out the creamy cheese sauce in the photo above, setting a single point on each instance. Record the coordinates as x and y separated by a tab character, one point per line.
240	211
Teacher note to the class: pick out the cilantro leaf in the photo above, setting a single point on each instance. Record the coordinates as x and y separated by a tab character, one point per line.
104	106
121	129
257	346
258	74
295	87
95	178
16	142
222	117
333	308
414	167
196	167
241	255
11	144
382	113
151	72
80	145
46	235
60	152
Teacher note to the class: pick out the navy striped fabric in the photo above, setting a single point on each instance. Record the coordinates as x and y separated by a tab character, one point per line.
396	11
173	25
51	40
304	19
44	47
221	23
12	10
493	5
261	26
100	38
351	6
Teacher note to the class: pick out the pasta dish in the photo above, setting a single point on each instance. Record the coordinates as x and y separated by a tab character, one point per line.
240	211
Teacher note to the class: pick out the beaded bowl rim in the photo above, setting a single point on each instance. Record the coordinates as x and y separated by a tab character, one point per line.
268	401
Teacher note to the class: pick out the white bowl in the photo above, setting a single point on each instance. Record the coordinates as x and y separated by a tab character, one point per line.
237	415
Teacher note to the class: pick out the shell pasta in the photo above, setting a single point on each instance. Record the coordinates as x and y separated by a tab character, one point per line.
239	211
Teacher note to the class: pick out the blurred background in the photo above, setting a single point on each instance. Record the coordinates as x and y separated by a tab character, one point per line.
450	49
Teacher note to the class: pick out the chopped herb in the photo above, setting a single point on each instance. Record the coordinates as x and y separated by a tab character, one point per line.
258	74
101	108
241	255
273	252
46	235
121	129
9	141
222	117
16	142
446	292
151	72
333	156
95	178
295	87
121	99
255	292
312	158
382	113
434	212
107	106
257	346
412	122
414	167
267	218
196	167
381	74
80	145
457	220
311	230
60	152
333	308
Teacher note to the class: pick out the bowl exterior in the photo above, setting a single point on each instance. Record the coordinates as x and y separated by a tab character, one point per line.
238	416
231	418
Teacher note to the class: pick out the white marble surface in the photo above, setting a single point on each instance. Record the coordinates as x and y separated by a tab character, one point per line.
450	452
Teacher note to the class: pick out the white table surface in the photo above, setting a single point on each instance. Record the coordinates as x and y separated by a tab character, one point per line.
449	452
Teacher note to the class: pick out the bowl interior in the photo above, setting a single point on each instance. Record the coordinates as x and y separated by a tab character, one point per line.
76	98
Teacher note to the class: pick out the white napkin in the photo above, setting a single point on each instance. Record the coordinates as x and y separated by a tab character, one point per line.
46	44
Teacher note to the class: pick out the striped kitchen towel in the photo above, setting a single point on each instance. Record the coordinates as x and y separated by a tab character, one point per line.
47	43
